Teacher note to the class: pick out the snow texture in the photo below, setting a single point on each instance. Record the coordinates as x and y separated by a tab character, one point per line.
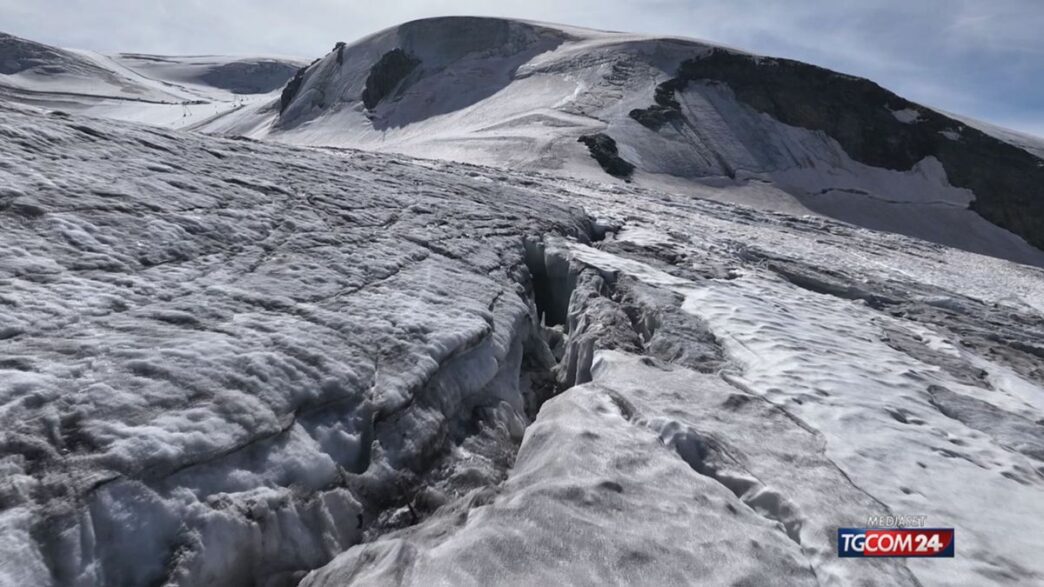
169	91
907	115
234	362
207	342
810	395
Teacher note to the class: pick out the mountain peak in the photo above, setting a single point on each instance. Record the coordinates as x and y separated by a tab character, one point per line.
679	114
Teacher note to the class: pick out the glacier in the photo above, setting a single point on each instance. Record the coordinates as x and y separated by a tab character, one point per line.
251	357
237	362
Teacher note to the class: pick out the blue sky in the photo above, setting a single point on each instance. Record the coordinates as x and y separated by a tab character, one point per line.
983	59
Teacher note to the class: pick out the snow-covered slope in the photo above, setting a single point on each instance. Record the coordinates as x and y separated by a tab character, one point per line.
1031	143
667	113
228	362
161	90
492	91
785	136
257	75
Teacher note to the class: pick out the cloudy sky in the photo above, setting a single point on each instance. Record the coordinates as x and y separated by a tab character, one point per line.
982	58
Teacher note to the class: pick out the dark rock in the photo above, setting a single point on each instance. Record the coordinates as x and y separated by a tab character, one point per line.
665	110
339	47
291	89
386	74
603	149
1008	182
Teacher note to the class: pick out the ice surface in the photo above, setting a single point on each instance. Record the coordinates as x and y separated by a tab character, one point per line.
236	362
819	415
596	497
216	342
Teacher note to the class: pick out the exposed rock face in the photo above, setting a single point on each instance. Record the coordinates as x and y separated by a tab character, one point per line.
291	89
666	108
875	127
603	149
386	74
250	77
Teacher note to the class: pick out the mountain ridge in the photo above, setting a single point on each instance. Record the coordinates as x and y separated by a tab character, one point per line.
524	93
171	91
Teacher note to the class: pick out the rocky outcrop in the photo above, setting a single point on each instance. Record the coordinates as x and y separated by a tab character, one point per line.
665	110
875	127
603	149
386	74
291	89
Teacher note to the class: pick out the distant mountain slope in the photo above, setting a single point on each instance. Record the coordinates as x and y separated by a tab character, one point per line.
668	113
162	90
239	75
34	67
